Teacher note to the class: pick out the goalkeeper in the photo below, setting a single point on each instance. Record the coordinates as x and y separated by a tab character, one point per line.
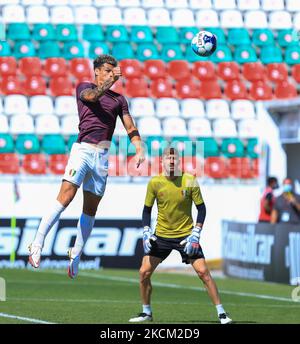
174	193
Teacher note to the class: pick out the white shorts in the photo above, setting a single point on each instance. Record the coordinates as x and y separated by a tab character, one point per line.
88	165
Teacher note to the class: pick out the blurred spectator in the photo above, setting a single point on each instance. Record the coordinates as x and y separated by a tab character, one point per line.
287	206
268	199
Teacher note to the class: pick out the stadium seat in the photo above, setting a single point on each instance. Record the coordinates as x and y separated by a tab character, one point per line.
296	72
27	144
155	69
47	124
254	71
34	164
248	128
118	87
222	54
81	68
232	147
170	52
228	71
116	33
15	104
155	145
92	32
30	66
210	89
61	14
149	126
5	49
285	89
103	3
292	55
166	34
134	16
49	49
161	88
280	20
10	85
221	5
198	4
209	145
272	5
61	86
85	15
23	49
206	18
141	34
238	36
167	107
43	32
171	4
117	166
262	37
126	148
224	127
292	5
231	19
9	163
187	88
72	50
270	54
217	108
241	109
204	70
215	167
58	163
219	33
21	124
245	5
13	14
66	32
192	107
34	86
18	31
255	20
183	17
37	14
146	51
235	89
4	126
136	87
40	105
240	167
199	127
277	72
174	125
187	33
179	69
260	90
287	37
69	125
140	107
97	48
65	105
53	144
131	68
245	54
6	143
123	51
184	145
159	17
72	138
8	65
253	149
110	16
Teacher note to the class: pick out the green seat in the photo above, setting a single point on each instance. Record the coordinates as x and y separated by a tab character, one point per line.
219	33
292	55
92	32
186	34
122	51
232	147
170	52
156	145
97	48
270	54
53	144
18	31
126	148
71	140
6	143
146	51
5	49
262	37
27	144
210	146
238	37
191	56
245	53
166	34
72	50
287	37
43	32
49	49
116	33
23	49
113	150
222	54
2	32
183	144
66	32
252	148
141	34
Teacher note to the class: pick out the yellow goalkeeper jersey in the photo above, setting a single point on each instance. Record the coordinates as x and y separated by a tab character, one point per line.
174	202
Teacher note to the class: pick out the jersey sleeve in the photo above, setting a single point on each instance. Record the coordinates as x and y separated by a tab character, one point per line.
124	106
82	86
196	193
150	195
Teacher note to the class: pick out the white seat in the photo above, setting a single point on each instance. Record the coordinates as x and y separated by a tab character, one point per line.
192	107
105	3
248	128
167	107
199	127
292	5
200	4
174	126
134	16
149	126
56	2
86	14
41	105
15	104
256	20
231	19
296	21
9	2
21	124
280	20
272	5
31	2
61	14
128	3
224	5
140	107
4	127
47	124
13	14
242	108
207	18
65	105
110	16
69	125
247	5
224	127
217	108
176	4
76	3
183	18
1	106
37	14
152	3
159	17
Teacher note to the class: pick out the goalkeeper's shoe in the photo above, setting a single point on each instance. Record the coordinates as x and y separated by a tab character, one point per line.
142	317
73	264
224	319
35	251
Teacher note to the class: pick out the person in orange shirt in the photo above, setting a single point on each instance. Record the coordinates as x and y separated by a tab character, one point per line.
268	199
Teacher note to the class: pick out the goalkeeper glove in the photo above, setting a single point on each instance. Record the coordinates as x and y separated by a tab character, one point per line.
192	242
148	238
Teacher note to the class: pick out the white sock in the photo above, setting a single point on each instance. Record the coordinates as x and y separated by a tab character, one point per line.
220	309
84	227
48	220
147	309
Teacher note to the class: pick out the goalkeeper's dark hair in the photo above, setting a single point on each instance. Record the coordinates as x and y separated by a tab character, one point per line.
170	151
105	58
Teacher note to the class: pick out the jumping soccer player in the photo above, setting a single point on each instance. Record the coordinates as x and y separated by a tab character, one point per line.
98	109
174	193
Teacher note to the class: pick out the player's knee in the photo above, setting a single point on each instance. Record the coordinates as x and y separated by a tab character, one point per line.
66	197
145	274
204	274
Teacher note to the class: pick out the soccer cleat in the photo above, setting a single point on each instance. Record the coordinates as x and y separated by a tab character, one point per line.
142	317
73	265
34	254
224	319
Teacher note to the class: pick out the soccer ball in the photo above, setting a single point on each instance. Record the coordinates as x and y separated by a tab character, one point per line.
204	43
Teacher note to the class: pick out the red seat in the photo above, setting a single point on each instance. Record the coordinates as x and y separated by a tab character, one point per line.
161	88
58	163
228	71
133	171
260	90
131	68
240	168
155	166
8	65
155	69
204	70
137	87
179	69
81	69
277	72
210	89
254	71
9	163
118	87
10	85
256	168
192	165
34	85
215	167
116	166
285	89
296	72
55	66
61	86
34	163
187	89
236	89
30	66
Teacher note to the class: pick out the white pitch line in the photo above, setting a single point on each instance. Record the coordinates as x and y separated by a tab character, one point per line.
37	321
